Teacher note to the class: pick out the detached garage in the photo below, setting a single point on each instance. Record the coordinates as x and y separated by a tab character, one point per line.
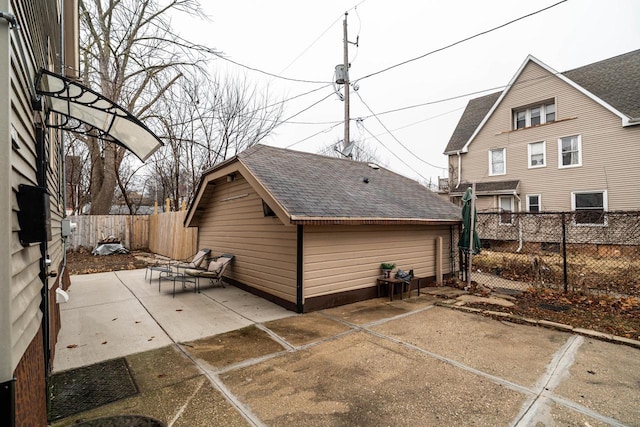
310	232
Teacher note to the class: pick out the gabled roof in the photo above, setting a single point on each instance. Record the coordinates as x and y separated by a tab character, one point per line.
476	110
614	83
316	189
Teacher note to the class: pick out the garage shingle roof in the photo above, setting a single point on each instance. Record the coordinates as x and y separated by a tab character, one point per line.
311	186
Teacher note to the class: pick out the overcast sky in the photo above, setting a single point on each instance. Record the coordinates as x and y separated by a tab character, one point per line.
304	40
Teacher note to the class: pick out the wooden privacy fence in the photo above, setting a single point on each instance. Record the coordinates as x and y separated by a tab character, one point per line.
132	230
162	233
169	237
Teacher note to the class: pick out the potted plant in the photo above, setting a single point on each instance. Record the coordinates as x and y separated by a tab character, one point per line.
386	268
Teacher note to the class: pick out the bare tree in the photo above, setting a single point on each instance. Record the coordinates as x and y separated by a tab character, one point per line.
206	121
129	55
77	172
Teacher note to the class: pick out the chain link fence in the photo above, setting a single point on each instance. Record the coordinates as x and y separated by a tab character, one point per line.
591	252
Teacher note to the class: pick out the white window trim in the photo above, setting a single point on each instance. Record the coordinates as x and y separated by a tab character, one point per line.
605	203
560	165
527	111
544	155
513	208
539	201
504	156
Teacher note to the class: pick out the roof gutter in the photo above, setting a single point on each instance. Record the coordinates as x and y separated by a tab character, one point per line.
298	219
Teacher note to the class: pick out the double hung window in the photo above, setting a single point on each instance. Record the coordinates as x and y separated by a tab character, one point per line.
498	161
570	151
537	155
533	203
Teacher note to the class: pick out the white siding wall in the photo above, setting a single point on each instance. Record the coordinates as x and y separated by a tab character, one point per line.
609	159
344	258
233	222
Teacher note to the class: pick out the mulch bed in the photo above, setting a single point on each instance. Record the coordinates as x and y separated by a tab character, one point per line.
617	316
83	262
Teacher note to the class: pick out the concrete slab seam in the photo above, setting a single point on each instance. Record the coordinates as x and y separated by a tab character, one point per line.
213	379
249	362
584	410
561	361
179	413
511	385
226	393
145	308
376	322
277	338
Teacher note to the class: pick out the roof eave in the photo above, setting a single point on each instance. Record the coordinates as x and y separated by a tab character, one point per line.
308	220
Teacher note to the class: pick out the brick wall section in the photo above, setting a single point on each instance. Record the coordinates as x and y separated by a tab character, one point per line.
31	398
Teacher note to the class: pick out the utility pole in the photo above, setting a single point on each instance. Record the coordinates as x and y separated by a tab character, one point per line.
346	83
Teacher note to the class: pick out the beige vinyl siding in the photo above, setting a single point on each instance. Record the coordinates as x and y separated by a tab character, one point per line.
609	151
21	297
264	247
344	258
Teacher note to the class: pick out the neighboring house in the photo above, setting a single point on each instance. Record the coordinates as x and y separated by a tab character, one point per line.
310	232
34	47
553	141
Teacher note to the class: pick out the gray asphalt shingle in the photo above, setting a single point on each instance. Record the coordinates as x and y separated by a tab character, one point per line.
315	186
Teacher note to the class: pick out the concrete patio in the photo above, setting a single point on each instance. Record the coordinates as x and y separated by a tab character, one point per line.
225	357
118	313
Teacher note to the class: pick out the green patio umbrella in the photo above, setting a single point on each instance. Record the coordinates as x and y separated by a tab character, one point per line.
466	225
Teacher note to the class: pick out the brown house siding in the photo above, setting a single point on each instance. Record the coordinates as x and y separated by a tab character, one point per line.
609	152
232	221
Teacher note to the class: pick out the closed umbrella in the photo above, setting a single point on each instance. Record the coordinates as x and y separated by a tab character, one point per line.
466	225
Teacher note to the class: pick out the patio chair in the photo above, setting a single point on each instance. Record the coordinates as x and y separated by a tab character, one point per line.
214	272
172	268
196	262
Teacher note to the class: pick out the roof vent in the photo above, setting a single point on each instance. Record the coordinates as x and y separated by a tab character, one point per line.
374	166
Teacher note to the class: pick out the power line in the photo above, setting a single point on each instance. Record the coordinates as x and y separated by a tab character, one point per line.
392	152
303	110
320	36
315	134
393	136
187	44
460	41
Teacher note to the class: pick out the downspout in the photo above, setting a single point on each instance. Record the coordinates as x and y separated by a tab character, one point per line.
459	168
63	162
299	268
520	238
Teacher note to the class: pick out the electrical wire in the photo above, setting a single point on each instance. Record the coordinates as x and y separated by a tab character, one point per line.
393	136
315	134
460	41
305	109
392	152
320	36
